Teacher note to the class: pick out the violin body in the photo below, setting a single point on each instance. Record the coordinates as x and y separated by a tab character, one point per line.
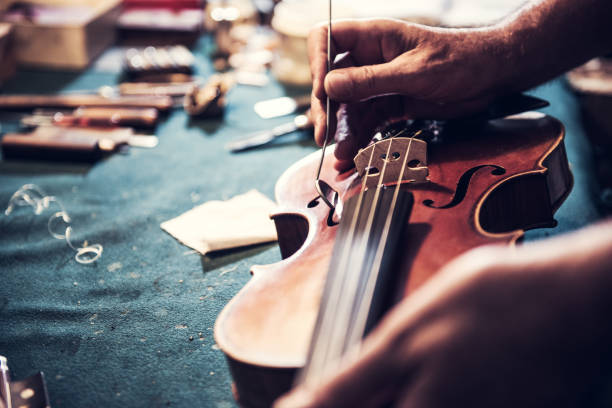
485	187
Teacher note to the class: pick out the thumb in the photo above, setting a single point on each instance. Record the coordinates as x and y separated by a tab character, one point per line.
358	83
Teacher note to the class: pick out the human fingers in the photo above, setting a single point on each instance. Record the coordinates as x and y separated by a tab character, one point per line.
362	39
343	165
357	123
318	115
407	75
354	84
395	360
320	110
368	42
317	55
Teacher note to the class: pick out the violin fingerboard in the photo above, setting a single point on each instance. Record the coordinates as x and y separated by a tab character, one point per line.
359	276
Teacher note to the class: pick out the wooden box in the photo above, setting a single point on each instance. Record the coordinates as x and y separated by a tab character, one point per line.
67	44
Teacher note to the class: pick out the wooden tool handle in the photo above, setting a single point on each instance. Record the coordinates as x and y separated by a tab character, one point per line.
54	145
139	117
75	101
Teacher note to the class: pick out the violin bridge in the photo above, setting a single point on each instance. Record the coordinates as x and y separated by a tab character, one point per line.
383	161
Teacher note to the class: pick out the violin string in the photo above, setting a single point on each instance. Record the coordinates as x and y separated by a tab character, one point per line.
327	115
356	262
320	347
364	307
330	355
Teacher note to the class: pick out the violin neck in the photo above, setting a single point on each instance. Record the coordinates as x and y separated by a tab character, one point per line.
360	276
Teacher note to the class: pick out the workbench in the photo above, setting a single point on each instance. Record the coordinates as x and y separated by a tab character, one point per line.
135	328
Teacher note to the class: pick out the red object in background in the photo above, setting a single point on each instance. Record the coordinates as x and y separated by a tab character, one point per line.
165	16
167	4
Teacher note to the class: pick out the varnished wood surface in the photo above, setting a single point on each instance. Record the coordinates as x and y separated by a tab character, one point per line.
268	324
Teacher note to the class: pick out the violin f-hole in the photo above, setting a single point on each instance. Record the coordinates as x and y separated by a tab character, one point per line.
330	216
463	185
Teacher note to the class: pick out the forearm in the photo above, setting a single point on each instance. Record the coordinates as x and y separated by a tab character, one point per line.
548	37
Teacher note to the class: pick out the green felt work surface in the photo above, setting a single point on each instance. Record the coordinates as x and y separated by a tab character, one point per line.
117	332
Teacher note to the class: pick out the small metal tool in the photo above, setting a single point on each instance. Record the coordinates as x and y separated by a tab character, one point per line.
258	139
30	393
5	384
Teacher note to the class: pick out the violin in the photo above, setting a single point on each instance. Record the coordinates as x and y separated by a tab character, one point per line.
421	194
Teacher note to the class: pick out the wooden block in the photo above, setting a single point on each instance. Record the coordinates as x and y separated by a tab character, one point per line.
71	45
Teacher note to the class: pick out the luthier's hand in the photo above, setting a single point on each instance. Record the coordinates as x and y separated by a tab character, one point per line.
396	70
420	70
498	327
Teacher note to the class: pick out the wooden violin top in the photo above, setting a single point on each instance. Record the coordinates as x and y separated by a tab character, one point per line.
483	188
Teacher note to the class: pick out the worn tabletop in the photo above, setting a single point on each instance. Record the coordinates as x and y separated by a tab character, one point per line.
135	329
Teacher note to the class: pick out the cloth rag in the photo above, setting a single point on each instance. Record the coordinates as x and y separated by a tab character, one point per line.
215	225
